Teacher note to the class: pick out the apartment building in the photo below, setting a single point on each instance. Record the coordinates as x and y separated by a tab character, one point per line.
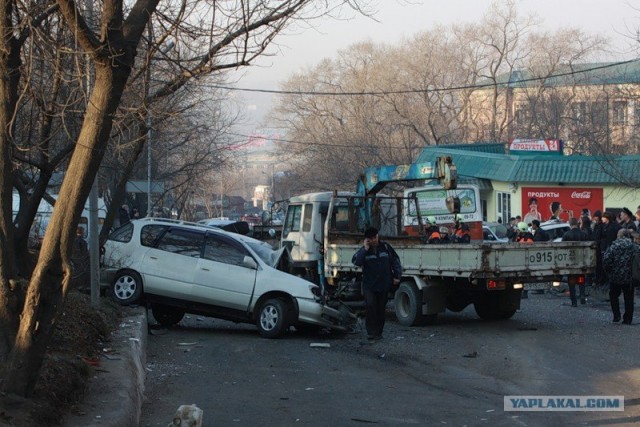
594	108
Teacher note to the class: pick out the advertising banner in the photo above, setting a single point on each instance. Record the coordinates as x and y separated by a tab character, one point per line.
537	146
543	203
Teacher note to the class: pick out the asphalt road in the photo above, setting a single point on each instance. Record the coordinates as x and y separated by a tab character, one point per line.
456	373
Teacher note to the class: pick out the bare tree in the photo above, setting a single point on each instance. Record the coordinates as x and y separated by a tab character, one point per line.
230	35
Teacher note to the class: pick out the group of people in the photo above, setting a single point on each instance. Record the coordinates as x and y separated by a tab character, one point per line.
434	234
618	244
124	216
617	240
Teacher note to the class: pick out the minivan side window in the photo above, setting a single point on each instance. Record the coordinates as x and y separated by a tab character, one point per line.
292	222
150	233
183	242
122	234
216	249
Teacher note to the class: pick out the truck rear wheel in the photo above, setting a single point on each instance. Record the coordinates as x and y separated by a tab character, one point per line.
408	305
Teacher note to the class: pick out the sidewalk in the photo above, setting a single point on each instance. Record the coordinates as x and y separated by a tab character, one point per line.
114	395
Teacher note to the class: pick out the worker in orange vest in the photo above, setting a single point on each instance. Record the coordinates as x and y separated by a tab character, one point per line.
524	235
461	234
432	233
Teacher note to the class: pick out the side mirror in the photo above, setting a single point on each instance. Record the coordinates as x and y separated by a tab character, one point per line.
250	262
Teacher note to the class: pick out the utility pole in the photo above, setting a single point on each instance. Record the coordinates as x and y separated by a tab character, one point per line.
146	97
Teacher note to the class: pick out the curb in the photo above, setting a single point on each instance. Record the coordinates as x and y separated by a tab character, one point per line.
115	393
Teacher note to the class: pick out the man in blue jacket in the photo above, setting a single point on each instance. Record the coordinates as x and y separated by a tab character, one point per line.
381	270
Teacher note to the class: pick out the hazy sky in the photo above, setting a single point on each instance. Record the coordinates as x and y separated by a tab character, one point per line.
403	18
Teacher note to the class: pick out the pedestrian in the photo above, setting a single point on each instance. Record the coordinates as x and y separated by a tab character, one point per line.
539	235
587	229
431	229
135	214
80	278
617	261
461	234
574	234
123	215
512	229
626	220
597	225
445	235
381	271
610	229
637	219
524	235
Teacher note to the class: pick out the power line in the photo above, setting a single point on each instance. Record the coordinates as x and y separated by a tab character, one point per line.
311	144
410	91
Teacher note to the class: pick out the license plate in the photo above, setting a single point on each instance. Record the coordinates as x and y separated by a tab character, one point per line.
536	286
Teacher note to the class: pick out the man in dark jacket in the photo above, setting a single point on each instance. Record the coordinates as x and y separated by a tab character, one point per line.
381	270
597	236
575	235
627	219
617	262
539	235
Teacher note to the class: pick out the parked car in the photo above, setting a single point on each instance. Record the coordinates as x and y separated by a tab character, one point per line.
494	232
555	229
178	267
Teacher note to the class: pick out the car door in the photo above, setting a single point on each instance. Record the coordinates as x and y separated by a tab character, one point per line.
168	267
299	233
221	277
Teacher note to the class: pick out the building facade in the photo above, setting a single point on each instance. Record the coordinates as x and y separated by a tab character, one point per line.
558	184
593	108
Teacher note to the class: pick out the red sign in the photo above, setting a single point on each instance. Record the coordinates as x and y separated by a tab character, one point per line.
543	203
553	145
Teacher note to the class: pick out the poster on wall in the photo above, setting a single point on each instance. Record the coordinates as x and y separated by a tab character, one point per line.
561	203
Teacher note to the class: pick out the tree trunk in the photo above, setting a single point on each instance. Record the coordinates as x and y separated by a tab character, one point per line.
52	275
9	76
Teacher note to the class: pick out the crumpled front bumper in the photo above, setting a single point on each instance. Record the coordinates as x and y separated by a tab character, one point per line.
315	313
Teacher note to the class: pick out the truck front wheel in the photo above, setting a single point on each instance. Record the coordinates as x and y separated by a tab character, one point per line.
408	305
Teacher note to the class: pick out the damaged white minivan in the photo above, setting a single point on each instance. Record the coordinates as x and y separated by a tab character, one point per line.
178	267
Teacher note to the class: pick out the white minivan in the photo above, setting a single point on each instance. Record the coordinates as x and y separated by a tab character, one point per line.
180	267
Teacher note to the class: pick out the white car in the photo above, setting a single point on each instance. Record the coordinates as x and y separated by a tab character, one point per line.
179	268
494	232
555	229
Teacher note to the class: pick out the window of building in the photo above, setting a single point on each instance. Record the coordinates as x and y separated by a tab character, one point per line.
521	117
504	206
619	113
599	114
579	112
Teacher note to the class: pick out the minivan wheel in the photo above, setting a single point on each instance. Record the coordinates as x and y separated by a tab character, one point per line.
166	315
126	288
272	318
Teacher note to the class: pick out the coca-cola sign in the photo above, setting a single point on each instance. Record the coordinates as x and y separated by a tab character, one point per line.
581	195
543	203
